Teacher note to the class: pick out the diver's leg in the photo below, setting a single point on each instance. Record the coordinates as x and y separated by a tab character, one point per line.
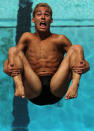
19	88
31	82
60	81
16	74
27	83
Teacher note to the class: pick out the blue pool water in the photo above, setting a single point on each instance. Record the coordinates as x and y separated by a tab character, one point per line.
18	114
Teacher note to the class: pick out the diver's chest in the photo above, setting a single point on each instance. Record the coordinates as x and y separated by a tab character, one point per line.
43	47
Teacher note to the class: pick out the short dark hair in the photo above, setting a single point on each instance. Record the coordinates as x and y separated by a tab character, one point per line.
42	5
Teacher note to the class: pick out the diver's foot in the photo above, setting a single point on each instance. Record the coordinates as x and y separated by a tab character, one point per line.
72	91
19	91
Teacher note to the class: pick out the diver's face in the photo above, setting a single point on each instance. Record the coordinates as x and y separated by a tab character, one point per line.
42	19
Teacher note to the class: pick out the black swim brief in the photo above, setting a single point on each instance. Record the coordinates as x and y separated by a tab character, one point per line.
46	97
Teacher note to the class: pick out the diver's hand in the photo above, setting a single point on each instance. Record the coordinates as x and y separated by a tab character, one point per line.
82	67
13	70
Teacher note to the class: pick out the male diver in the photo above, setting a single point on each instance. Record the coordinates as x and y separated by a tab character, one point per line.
42	73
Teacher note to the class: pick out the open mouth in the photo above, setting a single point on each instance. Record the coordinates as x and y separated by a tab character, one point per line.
43	25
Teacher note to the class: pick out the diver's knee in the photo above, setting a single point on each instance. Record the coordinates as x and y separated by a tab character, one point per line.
12	50
76	49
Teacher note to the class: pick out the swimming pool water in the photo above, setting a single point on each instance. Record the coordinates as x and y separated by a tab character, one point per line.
18	114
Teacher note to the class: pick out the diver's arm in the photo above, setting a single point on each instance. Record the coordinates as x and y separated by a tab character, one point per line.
22	44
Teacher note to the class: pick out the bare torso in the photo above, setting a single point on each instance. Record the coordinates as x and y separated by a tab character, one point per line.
45	55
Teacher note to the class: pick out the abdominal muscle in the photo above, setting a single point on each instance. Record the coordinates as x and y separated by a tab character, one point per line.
43	59
44	66
44	71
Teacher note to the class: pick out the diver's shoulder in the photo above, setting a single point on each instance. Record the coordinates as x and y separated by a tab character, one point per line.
27	35
59	35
